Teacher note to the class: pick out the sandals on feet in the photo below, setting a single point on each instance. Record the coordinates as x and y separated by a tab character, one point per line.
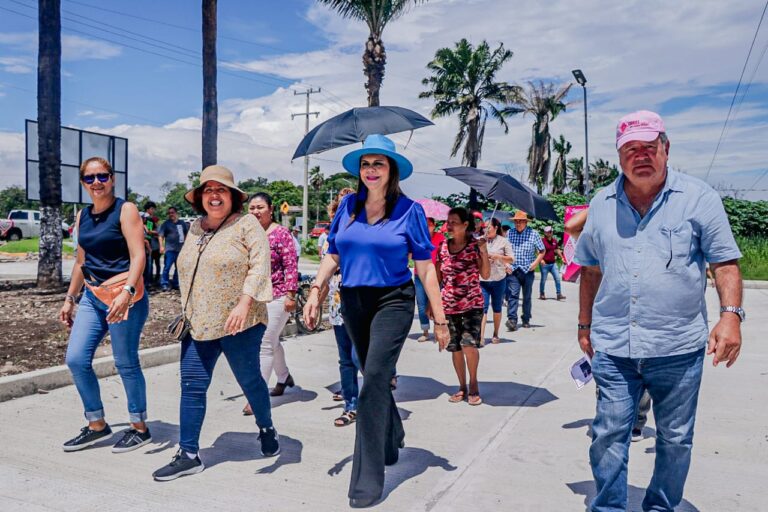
247	411
495	340
337	397
474	399
457	397
347	418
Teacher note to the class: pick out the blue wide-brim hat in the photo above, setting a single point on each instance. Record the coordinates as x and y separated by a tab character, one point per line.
376	144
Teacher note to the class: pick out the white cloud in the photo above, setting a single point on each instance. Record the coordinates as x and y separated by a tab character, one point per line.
83	48
104	116
635	55
16	65
23	46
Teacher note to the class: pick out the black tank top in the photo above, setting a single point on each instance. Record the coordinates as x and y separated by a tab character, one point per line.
100	236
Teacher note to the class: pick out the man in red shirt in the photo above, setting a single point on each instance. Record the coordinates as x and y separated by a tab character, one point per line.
549	263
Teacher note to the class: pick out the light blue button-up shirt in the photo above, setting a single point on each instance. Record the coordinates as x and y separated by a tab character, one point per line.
651	299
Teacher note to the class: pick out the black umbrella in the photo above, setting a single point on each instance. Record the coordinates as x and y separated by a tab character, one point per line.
505	189
355	125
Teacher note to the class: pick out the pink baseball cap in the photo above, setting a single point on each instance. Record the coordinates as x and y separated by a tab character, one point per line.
642	125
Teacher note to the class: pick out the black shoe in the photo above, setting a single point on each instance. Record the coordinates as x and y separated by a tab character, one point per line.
86	438
511	326
362	502
526	325
279	388
270	442
131	440
637	435
180	465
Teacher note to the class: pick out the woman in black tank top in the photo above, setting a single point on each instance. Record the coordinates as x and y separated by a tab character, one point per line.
111	242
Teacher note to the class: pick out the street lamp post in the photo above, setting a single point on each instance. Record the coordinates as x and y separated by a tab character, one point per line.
582	81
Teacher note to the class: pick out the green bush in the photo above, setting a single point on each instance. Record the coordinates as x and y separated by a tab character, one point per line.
754	263
309	246
747	218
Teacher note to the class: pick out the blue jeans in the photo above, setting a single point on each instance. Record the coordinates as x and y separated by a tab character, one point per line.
87	332
170	260
493	294
349	365
198	359
549	268
673	384
516	281
421	303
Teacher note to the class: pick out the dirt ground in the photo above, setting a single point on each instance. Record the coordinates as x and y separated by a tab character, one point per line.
31	336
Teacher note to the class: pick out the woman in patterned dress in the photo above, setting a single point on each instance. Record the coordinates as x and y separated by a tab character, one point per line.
224	273
285	282
461	261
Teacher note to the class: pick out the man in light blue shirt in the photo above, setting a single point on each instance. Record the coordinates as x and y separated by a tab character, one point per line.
642	314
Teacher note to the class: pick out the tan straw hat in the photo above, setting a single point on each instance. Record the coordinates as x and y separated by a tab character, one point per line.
520	215
215	173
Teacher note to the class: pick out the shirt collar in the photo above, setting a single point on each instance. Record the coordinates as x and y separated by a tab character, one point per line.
671	184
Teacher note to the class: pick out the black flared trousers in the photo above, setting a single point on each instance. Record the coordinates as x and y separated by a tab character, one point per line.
378	321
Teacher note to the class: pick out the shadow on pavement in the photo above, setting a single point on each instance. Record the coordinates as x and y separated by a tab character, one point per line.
412	463
635	496
586	422
164	436
244	446
291	395
496	394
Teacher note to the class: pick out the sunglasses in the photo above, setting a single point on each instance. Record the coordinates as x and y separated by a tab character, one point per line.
103	177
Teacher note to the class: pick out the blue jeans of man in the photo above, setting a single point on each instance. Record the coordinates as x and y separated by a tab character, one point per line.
549	268
673	383
88	331
517	281
349	365
170	260
198	359
422	302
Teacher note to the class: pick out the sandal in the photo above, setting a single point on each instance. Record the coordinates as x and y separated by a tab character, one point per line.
393	383
474	399
495	340
457	397
337	397
247	411
347	418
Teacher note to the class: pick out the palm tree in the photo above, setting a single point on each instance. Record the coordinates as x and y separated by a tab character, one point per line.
562	147
376	14
544	102
602	173
49	142
576	169
316	181
464	82
210	106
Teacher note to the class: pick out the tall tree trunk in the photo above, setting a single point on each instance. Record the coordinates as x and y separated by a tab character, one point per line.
210	106
49	142
374	61
472	151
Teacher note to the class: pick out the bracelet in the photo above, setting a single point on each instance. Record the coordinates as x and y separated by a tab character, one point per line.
585	326
69	298
315	285
441	324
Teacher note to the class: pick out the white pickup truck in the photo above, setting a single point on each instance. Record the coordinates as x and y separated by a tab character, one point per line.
25	224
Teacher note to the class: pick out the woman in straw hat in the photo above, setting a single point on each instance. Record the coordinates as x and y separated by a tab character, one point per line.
224	272
371	237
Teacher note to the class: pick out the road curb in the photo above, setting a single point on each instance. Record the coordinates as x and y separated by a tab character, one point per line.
46	379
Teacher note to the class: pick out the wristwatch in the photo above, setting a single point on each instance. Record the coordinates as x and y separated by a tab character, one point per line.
734	309
130	289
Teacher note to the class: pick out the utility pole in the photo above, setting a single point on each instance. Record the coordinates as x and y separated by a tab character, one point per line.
305	201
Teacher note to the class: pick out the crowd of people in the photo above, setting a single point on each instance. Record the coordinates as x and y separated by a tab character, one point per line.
652	229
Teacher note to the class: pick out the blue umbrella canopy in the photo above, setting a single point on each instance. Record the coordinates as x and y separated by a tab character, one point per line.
504	189
355	125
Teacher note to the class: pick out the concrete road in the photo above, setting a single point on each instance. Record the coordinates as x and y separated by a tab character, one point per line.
525	449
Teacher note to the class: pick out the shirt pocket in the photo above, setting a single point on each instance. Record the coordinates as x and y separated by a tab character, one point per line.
676	245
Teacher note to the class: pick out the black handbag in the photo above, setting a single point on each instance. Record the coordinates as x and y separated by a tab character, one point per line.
180	327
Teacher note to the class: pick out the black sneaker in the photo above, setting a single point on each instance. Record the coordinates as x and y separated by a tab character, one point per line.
180	465
270	442
131	440
86	438
637	435
511	326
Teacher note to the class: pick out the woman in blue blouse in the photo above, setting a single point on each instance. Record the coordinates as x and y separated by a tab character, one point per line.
371	237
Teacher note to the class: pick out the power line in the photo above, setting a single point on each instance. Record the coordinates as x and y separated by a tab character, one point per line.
736	92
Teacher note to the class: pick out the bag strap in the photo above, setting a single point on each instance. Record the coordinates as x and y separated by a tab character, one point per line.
197	263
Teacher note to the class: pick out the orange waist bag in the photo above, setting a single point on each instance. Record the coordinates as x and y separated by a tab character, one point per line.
108	291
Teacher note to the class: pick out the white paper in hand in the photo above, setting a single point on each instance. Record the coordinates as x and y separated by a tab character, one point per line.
581	372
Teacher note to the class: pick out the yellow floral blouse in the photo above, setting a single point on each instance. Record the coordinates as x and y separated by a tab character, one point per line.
235	262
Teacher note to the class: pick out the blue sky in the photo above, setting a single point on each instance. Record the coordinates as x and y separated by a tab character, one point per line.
682	60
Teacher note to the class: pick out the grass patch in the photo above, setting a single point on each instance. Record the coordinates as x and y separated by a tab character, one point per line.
754	263
314	258
31	245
